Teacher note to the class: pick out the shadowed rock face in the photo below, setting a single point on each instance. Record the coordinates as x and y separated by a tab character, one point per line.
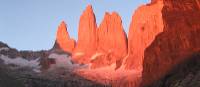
87	38
3	44
63	40
185	74
179	39
112	41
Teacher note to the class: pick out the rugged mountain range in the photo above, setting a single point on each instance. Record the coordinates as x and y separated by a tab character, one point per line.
162	48
162	34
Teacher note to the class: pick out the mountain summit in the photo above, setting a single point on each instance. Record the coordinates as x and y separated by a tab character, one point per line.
87	41
63	39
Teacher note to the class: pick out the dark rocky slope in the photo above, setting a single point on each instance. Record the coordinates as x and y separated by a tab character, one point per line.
14	76
186	74
25	78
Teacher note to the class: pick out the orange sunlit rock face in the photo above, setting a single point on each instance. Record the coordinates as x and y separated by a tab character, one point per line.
103	46
63	40
179	40
146	24
198	4
87	37
112	41
161	35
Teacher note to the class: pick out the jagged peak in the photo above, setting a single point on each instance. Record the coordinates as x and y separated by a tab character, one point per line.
88	10
63	39
89	7
112	15
62	28
115	13
63	23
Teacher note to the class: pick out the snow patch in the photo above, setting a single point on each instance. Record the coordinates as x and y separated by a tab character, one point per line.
54	56
21	62
63	61
78	54
4	48
96	55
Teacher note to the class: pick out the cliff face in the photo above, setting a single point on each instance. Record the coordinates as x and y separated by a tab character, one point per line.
179	39
146	24
63	40
86	44
103	46
112	41
186	74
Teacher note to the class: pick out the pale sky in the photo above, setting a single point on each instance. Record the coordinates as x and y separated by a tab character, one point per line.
32	24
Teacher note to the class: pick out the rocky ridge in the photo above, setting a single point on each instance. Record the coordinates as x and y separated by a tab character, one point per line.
163	35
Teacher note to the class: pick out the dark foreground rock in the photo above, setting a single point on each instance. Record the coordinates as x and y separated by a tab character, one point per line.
49	75
25	78
186	74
